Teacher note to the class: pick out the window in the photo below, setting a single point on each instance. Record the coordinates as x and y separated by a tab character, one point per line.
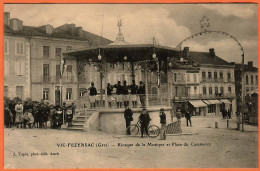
69	94
204	90
58	74
256	79
58	53
195	77
221	75
175	77
215	75
81	92
5	91
188	77
252	79
247	80
209	75
46	73
6	47
68	48
216	90
210	90
19	92
229	90
6	67
176	91
188	90
46	51
19	67
203	74
222	90
228	75
195	90
45	94
211	108
19	48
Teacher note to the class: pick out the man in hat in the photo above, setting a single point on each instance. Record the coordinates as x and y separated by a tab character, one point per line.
144	119
128	115
163	124
188	116
92	95
125	93
141	93
133	91
109	94
119	91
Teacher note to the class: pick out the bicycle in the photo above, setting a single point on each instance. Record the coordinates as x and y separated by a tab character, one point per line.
153	130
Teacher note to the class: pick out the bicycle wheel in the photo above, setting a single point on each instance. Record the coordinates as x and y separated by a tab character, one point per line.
134	129
153	131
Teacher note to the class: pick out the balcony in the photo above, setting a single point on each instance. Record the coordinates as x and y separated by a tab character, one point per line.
212	80
56	79
204	96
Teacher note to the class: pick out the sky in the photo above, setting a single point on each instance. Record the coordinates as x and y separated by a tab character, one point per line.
170	24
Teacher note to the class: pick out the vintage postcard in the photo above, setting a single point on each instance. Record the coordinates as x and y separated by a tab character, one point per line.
130	85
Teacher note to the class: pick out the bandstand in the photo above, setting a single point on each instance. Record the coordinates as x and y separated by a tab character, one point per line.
149	63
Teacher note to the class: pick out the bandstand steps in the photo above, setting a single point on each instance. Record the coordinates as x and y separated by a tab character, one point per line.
79	121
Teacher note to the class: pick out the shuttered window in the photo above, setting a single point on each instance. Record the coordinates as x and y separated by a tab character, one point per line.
19	67
6	67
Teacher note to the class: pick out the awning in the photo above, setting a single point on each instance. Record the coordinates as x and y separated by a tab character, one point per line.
197	103
207	102
214	101
226	101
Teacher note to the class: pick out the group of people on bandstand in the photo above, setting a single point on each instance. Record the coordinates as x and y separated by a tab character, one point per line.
123	95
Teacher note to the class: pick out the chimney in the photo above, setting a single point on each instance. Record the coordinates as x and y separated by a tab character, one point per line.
16	24
250	64
48	29
79	31
7	18
186	52
71	29
211	52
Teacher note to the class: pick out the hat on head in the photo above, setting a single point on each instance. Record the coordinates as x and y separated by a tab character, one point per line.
162	109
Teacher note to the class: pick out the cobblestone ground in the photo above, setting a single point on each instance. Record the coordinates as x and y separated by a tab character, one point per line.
207	147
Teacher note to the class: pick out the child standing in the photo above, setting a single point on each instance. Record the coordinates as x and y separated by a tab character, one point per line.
69	116
58	118
144	119
163	124
31	118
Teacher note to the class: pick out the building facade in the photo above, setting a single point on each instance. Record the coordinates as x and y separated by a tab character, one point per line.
33	61
215	84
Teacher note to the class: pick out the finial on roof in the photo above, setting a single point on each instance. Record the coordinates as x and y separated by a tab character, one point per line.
119	36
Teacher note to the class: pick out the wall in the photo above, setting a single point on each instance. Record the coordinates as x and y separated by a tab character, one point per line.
114	122
37	62
11	79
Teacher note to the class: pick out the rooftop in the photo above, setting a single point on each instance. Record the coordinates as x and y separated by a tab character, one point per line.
59	32
206	58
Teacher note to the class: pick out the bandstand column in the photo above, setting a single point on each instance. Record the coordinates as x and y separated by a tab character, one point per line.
146	83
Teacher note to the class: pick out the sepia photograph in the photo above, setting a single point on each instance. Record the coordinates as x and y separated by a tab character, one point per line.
130	85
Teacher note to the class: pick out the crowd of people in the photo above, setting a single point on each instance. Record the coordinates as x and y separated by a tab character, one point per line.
37	114
124	94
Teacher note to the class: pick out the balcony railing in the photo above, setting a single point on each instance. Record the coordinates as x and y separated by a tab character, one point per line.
56	79
212	80
204	96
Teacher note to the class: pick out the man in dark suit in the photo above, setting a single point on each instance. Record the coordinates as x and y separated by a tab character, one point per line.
128	114
141	93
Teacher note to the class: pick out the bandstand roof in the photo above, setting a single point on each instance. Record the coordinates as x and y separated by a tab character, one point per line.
116	52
